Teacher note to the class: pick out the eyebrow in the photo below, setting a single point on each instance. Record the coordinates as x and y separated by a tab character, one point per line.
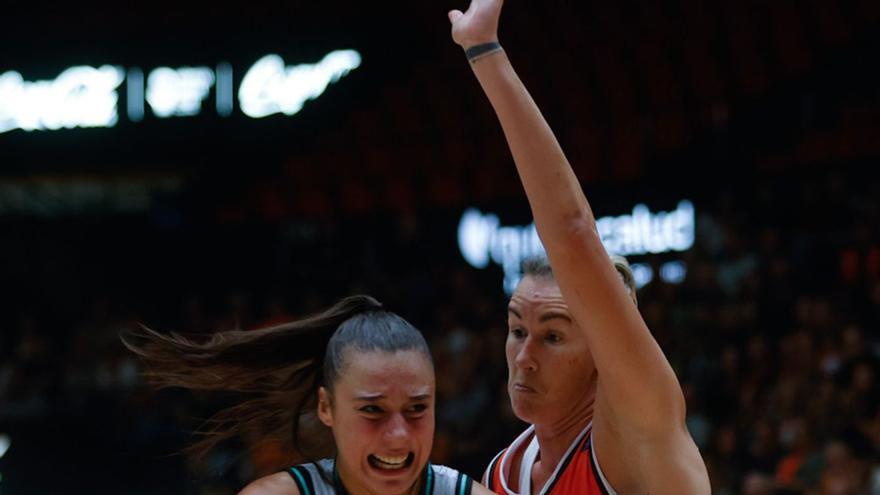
370	397
550	315
377	397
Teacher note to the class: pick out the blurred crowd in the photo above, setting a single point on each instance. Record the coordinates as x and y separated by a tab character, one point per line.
774	331
773	334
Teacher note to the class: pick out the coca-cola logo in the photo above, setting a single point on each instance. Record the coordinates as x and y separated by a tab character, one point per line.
269	87
78	97
85	96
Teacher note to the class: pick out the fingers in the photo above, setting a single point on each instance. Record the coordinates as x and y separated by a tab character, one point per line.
454	15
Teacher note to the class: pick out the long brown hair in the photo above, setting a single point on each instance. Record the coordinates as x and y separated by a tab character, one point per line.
277	370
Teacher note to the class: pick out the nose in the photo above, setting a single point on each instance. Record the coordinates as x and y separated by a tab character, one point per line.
396	429
525	355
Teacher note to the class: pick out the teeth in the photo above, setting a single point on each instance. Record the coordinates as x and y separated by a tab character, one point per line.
391	460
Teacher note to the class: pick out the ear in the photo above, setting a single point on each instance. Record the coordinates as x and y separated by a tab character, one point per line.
325	409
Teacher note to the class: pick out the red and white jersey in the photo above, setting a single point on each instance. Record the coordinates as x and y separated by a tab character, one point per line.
577	473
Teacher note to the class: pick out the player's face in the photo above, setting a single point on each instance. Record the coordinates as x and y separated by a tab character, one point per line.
550	367
382	415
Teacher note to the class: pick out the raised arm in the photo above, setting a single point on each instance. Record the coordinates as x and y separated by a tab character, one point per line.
639	400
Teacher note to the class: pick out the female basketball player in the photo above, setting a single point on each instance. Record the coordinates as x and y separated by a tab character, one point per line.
365	373
606	408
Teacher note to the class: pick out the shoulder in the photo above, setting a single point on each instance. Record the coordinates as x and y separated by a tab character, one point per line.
507	461
446	474
449	480
273	484
511	453
479	489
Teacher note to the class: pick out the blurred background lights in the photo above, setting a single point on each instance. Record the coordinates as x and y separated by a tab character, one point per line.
673	272
178	92
474	233
5	443
80	96
643	274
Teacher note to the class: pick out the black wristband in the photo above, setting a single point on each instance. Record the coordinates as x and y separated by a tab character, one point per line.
477	51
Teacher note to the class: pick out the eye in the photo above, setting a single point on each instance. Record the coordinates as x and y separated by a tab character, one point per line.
518	333
417	409
371	409
553	338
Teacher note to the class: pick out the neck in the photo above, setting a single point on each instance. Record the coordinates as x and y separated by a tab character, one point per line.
555	438
346	484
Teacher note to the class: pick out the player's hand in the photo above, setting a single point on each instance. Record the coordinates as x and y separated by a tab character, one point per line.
479	24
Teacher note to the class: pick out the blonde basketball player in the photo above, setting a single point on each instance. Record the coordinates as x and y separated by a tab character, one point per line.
607	411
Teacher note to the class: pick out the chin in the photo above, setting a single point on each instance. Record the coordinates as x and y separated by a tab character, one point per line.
525	412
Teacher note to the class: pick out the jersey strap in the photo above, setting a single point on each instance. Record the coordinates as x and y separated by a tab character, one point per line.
463	485
303	480
428	480
594	465
493	476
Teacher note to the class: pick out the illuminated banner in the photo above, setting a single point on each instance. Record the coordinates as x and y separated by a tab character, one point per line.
270	87
85	96
178	92
482	238
78	97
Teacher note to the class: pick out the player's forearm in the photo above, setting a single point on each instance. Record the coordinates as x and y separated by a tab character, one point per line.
551	186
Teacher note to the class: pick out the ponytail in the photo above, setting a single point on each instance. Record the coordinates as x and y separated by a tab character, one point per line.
277	369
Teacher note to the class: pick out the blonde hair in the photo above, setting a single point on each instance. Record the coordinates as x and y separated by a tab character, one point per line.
626	273
539	266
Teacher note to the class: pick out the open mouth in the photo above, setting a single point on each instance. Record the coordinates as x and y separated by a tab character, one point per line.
390	463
